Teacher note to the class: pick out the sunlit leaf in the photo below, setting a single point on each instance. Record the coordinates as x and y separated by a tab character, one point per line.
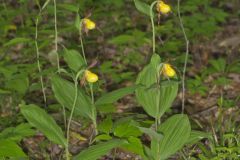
77	136
176	132
9	148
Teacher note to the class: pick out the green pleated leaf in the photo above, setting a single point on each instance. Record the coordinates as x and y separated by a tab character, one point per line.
113	96
97	151
64	92
155	99
9	148
147	98
176	132
147	77
142	7
74	60
39	119
168	93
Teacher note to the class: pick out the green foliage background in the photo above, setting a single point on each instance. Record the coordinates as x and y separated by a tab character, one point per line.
121	44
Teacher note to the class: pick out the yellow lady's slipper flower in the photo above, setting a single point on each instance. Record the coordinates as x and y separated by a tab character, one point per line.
88	24
163	7
168	70
91	77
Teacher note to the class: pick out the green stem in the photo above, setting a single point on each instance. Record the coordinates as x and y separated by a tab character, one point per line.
81	41
38	61
221	113
56	34
95	127
153	27
157	118
186	56
72	111
156	124
157	121
91	90
93	103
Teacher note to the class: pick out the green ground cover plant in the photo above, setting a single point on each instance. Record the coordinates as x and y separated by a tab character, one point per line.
53	68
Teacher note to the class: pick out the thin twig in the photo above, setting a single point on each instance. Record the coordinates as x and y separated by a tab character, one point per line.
186	56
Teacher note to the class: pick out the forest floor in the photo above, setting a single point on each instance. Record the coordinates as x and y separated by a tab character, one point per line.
201	109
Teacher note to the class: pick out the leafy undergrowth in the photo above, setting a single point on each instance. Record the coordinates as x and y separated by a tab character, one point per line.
84	80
